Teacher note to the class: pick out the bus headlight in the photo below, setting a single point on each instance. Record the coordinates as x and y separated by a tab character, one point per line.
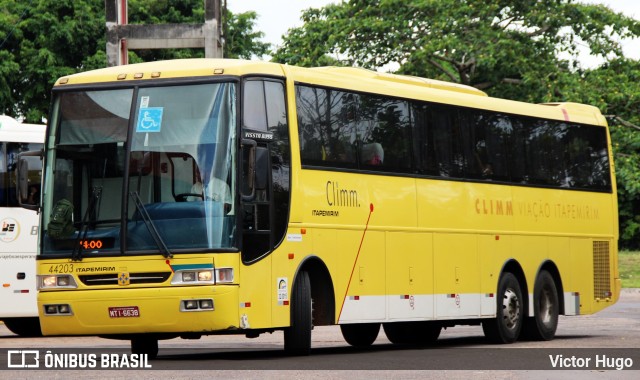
193	277
65	281
188	276
205	275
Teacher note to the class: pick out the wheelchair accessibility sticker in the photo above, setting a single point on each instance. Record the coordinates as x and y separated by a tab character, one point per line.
149	119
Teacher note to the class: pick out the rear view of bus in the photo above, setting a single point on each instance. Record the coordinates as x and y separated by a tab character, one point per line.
19	233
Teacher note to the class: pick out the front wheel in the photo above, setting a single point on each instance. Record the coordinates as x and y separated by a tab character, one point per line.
506	326
546	307
361	334
26	327
297	337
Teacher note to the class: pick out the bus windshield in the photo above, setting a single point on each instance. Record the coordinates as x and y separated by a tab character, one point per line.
127	164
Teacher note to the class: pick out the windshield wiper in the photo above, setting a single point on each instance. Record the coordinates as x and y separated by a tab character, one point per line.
96	193
150	225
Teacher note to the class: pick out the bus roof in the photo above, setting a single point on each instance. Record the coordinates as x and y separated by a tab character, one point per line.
348	78
12	130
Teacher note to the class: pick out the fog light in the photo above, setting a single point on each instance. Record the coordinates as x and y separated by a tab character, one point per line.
64	309
206	304
51	309
191	304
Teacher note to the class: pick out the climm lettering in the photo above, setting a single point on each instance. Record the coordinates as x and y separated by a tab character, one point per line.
494	207
338	197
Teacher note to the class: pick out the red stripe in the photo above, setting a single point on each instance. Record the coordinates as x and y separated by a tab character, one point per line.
566	115
356	260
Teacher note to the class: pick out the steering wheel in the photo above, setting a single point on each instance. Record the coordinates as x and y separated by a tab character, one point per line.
183	196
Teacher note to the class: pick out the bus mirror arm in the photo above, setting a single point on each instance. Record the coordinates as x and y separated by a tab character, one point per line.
22	182
249	156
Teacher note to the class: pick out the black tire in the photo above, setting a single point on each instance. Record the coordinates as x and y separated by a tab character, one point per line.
506	326
26	327
415	333
360	334
546	308
145	345
297	337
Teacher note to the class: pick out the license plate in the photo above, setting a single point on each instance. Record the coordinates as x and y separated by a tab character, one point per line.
124	312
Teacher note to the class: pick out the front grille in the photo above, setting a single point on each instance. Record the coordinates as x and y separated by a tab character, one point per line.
601	270
134	278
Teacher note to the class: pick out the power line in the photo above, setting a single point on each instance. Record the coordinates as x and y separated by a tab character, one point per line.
16	24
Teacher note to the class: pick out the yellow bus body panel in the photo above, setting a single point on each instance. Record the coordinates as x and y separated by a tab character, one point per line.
158	304
395	247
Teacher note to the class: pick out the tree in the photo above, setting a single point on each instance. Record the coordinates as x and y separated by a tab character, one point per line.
308	45
489	45
42	40
515	49
241	40
615	89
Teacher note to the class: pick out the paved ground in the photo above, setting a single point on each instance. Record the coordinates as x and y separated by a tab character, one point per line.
614	330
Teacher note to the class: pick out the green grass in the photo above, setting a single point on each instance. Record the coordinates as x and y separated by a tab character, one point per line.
629	267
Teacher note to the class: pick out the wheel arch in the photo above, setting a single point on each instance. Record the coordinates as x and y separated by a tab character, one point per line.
322	290
514	267
550	266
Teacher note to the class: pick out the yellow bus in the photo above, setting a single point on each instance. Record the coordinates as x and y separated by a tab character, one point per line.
196	197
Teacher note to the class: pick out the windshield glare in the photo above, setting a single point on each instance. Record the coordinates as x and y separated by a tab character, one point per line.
169	147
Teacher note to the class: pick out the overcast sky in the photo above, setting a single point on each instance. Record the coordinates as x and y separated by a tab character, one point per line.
275	17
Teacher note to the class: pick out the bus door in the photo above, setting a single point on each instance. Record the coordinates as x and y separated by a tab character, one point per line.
265	169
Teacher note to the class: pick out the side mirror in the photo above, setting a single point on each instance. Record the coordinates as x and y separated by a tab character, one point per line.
262	168
28	163
248	169
23	179
255	169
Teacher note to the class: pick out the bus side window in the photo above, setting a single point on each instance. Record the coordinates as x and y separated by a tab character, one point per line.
32	196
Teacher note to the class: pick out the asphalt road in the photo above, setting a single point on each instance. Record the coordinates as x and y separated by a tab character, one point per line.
590	346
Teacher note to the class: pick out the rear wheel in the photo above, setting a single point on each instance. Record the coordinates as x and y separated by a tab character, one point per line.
27	327
412	332
297	337
506	326
546	307
361	334
145	345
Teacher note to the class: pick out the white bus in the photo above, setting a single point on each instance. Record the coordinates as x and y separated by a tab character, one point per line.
19	227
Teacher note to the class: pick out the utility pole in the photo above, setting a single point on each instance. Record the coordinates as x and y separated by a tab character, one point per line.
122	36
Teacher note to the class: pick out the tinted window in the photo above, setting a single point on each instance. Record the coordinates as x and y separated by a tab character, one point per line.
393	136
384	131
8	184
254	106
347	130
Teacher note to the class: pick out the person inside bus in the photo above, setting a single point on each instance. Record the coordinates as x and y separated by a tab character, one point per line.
33	197
372	154
217	191
482	160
